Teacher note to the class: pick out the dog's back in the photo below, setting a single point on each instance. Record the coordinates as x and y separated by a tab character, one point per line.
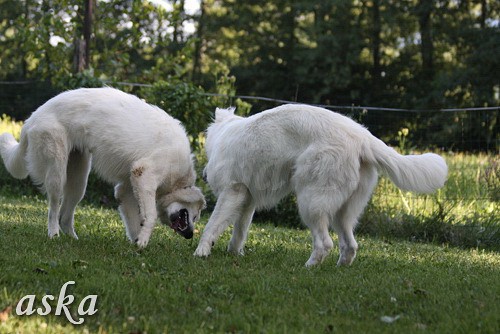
264	151
109	124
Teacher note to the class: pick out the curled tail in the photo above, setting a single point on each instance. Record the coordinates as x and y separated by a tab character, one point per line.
13	155
423	173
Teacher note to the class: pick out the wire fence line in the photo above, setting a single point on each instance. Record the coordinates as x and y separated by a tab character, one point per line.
326	106
274	100
353	107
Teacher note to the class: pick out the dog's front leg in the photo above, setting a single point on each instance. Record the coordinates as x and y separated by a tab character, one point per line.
228	210
129	209
144	187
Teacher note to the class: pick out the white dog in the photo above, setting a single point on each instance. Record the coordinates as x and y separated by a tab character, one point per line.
327	159
134	145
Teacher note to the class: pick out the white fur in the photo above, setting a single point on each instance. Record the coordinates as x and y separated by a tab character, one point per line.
131	144
327	159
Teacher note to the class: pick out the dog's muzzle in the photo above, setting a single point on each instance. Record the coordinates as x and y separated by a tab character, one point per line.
179	222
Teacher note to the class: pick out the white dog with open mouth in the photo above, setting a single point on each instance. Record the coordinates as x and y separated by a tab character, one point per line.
327	159
139	148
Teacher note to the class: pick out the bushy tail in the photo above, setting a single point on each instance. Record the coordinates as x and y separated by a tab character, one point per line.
418	173
13	155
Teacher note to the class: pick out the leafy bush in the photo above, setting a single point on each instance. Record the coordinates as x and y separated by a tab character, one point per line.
183	101
85	79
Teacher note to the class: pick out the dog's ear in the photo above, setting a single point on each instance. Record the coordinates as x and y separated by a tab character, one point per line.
222	114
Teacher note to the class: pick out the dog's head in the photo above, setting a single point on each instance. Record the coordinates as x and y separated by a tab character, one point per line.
181	209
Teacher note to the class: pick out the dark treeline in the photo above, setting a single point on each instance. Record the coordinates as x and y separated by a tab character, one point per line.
415	54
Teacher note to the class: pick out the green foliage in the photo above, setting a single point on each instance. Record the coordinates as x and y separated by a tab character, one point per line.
366	52
411	54
183	101
191	104
85	79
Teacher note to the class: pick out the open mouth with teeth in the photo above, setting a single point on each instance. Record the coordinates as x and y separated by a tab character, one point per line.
179	222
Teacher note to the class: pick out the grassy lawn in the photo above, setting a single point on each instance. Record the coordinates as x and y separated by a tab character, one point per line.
392	287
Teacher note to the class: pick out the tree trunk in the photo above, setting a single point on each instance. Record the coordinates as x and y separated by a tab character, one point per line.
376	69
195	75
484	13
24	62
291	86
424	10
87	30
78	55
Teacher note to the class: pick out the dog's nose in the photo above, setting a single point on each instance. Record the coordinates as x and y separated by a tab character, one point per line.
188	233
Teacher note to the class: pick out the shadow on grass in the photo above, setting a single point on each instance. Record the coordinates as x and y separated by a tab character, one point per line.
439	227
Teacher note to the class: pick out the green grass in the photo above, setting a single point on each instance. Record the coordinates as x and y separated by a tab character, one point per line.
163	288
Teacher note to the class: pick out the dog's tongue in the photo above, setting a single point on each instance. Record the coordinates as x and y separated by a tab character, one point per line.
181	223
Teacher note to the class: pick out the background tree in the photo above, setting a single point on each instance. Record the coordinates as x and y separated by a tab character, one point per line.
415	54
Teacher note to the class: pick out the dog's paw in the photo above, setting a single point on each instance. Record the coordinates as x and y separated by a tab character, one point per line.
345	260
53	233
315	259
347	256
141	241
70	231
203	250
311	263
235	250
143	237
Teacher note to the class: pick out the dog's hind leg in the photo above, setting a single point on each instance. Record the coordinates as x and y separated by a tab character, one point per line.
240	230
228	210
347	217
77	173
318	223
129	210
47	161
323	181
54	183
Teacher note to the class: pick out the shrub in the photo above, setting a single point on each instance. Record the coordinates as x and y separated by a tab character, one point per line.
183	101
85	79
